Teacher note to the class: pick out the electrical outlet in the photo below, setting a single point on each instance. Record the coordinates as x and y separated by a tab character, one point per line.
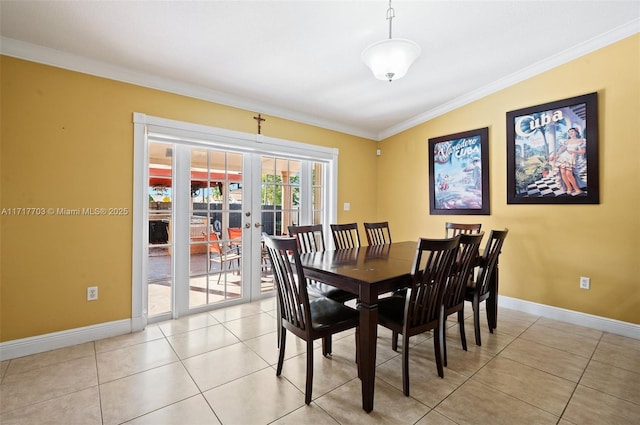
92	293
585	282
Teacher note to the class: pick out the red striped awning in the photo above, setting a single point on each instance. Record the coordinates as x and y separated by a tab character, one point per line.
162	177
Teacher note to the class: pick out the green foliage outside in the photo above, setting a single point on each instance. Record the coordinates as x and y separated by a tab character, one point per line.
271	192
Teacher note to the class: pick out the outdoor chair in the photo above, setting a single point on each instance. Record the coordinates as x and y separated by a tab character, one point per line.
235	238
217	254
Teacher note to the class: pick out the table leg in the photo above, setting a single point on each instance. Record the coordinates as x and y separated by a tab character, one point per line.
492	301
368	338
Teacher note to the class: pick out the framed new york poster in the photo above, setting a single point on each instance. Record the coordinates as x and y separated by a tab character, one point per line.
459	173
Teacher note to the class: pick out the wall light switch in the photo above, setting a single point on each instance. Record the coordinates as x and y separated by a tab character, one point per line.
347	206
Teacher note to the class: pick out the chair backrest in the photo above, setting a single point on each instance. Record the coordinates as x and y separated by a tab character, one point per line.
377	233
374	252
462	269
345	235
431	268
214	243
489	261
235	234
455	229
310	238
293	299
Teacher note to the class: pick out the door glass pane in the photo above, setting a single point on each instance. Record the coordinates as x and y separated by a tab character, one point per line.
318	192
280	193
280	204
215	226
159	221
214	222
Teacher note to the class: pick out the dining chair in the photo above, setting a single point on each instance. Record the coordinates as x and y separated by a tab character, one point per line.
217	254
420	310
345	235
308	319
310	238
454	229
453	300
484	286
377	233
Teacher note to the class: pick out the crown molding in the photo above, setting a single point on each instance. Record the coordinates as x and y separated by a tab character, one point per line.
34	53
588	46
46	56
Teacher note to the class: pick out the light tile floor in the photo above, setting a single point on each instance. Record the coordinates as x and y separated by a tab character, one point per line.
219	368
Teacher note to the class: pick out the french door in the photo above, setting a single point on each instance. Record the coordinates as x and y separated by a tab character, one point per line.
209	204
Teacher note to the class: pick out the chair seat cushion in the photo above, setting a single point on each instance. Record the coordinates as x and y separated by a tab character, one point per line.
328	313
391	309
469	292
319	289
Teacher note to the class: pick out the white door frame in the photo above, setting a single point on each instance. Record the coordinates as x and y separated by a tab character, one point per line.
234	140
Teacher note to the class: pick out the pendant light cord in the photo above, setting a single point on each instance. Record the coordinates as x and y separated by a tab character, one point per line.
390	15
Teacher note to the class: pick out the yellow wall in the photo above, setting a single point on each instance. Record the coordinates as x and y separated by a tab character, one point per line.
67	142
549	246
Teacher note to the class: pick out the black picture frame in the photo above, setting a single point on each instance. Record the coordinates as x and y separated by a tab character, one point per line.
552	152
459	173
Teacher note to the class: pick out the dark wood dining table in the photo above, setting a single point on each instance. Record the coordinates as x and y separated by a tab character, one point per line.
367	271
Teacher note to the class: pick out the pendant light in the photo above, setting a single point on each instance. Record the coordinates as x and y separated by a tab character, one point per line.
390	59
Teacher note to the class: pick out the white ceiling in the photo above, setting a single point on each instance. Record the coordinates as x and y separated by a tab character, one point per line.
301	59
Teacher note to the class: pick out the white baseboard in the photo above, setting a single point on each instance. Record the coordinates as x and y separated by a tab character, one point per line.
583	319
52	341
38	344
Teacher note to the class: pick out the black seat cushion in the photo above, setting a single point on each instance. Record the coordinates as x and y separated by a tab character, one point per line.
392	308
326	312
319	289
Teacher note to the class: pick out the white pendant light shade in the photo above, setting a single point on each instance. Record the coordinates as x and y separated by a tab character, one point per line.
390	59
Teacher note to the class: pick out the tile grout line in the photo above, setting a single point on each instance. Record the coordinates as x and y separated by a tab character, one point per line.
494	356
99	387
591	359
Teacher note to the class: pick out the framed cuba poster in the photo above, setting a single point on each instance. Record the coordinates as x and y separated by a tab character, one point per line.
459	173
552	152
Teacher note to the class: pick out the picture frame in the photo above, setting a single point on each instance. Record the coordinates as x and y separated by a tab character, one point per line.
459	173
552	152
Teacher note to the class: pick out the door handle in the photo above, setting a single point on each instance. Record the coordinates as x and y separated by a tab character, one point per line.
257	224
247	225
